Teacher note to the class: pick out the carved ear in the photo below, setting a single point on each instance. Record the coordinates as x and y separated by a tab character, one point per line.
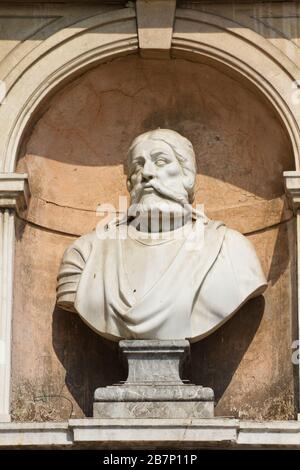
189	181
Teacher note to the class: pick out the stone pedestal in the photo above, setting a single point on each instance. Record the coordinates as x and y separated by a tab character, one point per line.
154	388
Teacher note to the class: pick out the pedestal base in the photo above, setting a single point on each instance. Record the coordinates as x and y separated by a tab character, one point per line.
154	388
157	404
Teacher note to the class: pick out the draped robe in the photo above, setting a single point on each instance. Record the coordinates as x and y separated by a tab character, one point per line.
215	271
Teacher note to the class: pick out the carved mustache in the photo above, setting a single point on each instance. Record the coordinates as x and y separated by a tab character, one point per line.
161	189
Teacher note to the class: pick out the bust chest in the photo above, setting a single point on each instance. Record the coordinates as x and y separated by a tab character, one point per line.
146	261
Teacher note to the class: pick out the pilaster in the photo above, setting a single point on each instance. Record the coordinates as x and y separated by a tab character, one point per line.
14	194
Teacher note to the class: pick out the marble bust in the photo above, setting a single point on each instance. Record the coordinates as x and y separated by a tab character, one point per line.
138	277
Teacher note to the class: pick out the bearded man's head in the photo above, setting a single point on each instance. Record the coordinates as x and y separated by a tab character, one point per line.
161	171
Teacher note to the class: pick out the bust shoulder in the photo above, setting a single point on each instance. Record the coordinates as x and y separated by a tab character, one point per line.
234	240
72	265
84	241
238	244
81	246
245	263
240	257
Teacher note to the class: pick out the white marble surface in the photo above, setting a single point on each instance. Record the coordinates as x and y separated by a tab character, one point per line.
121	292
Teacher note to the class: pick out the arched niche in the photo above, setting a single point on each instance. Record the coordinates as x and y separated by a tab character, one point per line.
255	67
74	156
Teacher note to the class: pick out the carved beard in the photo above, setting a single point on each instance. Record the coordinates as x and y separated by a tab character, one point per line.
163	200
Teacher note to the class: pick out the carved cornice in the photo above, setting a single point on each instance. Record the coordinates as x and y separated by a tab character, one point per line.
14	191
292	188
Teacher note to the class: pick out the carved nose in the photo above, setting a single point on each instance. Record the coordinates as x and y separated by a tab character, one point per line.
148	171
147	176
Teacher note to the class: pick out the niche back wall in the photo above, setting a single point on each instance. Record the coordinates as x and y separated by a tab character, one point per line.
74	157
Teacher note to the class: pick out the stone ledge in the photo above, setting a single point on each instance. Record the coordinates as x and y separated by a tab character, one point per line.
14	435
269	433
180	433
14	191
292	188
152	433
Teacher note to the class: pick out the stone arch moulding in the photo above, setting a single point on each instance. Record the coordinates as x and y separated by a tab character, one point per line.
94	40
73	50
199	35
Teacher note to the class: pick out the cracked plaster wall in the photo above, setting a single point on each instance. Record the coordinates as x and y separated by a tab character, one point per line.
74	157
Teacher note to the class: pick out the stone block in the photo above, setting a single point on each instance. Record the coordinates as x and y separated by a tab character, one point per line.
154	388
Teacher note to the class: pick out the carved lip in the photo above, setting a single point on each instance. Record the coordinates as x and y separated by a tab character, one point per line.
148	188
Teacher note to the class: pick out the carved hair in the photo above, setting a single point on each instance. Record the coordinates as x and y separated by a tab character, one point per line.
182	149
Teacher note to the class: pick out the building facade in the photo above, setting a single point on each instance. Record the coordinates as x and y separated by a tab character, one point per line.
79	81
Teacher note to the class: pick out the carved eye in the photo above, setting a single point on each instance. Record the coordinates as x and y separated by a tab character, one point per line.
160	162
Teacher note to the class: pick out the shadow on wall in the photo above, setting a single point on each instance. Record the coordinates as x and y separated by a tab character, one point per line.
248	361
215	359
253	377
90	361
241	157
